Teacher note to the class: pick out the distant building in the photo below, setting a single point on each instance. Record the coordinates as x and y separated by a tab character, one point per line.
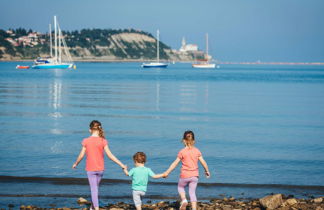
13	42
33	36
42	41
188	47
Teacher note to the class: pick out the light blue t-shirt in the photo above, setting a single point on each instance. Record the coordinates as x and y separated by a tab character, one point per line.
140	177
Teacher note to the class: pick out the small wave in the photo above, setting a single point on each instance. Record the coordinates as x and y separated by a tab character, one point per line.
86	195
84	181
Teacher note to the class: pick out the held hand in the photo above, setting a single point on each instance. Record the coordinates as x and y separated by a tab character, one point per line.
123	166
165	175
125	170
207	173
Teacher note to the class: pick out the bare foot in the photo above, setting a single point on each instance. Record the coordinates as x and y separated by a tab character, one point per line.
183	204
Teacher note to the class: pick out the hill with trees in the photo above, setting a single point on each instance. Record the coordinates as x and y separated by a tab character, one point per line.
87	44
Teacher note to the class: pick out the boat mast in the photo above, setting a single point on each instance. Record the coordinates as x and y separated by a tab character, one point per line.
207	45
50	37
157	46
55	39
59	45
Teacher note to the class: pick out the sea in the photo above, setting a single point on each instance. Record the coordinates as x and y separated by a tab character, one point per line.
260	129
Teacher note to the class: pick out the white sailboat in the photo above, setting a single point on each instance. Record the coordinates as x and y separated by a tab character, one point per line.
62	58
204	63
156	64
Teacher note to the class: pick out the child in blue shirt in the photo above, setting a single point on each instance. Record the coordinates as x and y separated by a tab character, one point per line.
140	176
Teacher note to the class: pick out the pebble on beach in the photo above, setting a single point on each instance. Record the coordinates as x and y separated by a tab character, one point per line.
277	201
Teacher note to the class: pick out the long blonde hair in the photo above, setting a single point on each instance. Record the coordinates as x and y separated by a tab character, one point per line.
187	140
95	125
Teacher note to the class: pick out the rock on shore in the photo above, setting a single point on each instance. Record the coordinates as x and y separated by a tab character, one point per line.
278	201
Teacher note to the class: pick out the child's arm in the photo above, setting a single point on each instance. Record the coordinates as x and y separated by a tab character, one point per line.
172	167
125	171
157	176
80	157
204	164
112	157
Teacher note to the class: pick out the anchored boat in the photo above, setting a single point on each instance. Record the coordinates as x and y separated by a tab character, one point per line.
22	67
205	62
156	64
62	58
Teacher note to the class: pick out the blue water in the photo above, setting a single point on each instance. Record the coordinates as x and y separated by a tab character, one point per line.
253	124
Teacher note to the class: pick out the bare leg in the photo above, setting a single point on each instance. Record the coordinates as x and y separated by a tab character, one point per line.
184	202
183	196
194	205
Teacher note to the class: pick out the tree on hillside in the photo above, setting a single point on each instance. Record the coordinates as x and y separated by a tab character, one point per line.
97	41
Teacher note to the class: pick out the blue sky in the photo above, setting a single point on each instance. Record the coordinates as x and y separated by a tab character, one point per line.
239	30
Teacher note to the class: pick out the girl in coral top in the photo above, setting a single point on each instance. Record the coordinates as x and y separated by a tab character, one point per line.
189	174
94	147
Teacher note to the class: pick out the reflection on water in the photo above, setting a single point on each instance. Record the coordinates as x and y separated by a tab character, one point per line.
55	115
157	106
55	103
55	94
206	97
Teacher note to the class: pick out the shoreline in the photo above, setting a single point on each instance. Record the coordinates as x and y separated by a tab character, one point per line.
104	181
182	61
59	192
273	201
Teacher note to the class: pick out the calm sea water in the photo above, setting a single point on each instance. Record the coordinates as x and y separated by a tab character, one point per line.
253	124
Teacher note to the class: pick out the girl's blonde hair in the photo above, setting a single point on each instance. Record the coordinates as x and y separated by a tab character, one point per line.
95	125
187	140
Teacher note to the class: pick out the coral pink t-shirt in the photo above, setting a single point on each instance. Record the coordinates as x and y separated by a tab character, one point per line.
189	158
95	153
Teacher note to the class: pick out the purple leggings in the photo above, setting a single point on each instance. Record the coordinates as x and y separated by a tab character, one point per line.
94	178
192	181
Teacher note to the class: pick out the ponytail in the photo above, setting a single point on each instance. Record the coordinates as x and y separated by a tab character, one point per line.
189	142
95	125
101	132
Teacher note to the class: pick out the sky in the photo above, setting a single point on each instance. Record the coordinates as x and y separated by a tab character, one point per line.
239	30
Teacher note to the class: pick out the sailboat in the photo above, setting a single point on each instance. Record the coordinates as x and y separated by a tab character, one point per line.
156	64
56	61
205	62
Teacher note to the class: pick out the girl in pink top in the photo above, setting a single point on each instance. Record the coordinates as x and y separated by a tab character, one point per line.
94	147
189	174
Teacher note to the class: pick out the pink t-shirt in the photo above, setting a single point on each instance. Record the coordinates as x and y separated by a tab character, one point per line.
189	158
95	153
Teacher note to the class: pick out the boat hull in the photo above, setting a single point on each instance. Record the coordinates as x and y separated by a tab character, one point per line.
22	67
154	65
204	66
53	66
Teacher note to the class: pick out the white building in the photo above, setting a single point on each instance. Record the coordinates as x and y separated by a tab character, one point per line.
187	47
